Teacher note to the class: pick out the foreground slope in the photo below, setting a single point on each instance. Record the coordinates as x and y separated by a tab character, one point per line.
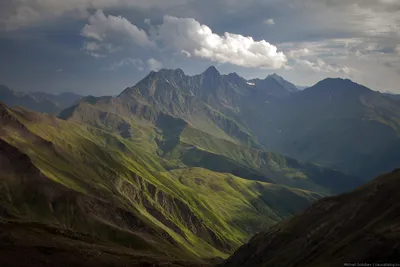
49	246
75	176
362	226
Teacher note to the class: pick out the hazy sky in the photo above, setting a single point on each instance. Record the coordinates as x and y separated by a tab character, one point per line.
102	46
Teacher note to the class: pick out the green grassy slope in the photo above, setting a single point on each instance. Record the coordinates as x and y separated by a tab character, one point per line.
111	187
180	143
260	165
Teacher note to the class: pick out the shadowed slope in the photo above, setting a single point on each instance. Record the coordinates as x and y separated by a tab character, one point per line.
49	246
336	123
361	226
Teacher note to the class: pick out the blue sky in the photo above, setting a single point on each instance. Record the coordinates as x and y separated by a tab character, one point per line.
100	47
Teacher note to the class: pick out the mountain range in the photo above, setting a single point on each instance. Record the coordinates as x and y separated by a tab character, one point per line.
336	123
179	169
38	101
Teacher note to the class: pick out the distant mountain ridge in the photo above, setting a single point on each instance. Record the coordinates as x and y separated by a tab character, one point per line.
38	101
209	101
317	124
171	101
336	123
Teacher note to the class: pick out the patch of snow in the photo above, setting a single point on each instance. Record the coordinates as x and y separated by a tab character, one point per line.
252	84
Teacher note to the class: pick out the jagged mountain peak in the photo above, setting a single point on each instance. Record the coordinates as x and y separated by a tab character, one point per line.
166	73
211	77
273	85
211	71
176	72
284	83
147	85
233	74
234	78
274	75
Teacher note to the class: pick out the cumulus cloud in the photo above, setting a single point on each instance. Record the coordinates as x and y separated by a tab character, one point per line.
108	29
195	39
135	62
319	56
147	21
321	66
299	52
335	48
154	64
92	46
185	53
97	49
140	65
187	36
269	22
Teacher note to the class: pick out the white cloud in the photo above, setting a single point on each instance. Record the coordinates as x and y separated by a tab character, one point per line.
97	49
319	56
300	52
96	55
269	22
91	46
324	48
110	29
135	62
147	21
187	34
186	53
154	64
321	66
140	65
